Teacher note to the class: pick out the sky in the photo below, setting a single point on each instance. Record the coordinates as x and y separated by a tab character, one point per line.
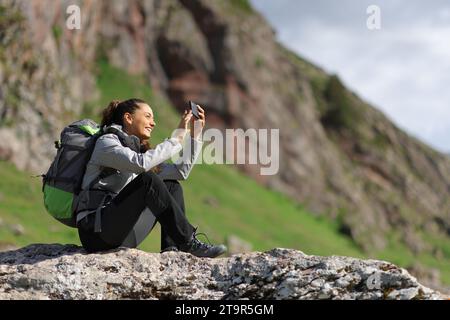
402	68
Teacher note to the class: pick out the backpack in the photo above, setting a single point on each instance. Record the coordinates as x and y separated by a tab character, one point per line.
62	182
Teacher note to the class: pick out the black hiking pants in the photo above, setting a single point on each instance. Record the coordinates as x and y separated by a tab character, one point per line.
126	222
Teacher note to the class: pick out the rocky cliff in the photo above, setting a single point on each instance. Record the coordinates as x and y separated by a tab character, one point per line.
67	272
338	155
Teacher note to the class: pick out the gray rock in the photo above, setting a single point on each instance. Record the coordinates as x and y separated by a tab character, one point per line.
17	229
54	271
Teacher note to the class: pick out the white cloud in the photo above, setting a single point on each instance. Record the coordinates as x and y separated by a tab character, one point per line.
402	69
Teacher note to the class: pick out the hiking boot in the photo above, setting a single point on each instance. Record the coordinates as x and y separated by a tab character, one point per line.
201	249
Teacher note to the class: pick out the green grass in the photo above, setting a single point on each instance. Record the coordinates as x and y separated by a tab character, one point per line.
243	5
57	32
259	216
237	7
21	203
397	253
264	218
341	112
8	17
116	84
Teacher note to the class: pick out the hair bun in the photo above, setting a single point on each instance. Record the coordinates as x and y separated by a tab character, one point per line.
113	104
113	114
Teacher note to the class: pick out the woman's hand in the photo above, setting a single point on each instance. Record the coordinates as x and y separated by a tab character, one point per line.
197	125
183	126
185	118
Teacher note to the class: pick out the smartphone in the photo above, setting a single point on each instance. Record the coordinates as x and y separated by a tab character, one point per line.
194	109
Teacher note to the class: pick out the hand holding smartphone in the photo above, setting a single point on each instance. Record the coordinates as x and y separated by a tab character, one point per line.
199	114
194	109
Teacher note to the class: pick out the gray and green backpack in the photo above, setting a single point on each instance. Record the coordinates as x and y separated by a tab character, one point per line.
63	180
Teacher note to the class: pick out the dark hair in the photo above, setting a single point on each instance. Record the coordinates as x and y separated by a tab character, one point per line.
114	112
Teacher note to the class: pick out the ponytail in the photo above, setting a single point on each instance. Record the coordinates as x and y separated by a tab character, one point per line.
108	113
114	112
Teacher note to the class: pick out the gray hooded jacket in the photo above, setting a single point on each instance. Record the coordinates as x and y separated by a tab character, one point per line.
110	152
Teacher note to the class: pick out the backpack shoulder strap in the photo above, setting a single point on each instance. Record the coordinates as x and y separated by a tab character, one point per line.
129	141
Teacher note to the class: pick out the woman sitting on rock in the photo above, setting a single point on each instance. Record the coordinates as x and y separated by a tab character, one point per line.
127	185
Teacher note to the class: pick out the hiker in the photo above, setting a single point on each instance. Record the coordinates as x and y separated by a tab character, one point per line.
139	188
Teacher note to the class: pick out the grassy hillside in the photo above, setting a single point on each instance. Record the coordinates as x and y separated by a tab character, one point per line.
219	199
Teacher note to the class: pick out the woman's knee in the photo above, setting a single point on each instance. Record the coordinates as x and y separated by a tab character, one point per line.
172	183
155	180
156	187
173	186
152	178
148	175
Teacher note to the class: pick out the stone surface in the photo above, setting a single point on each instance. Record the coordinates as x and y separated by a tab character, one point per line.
370	175
17	229
54	271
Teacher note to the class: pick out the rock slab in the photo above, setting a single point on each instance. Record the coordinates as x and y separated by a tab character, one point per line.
55	271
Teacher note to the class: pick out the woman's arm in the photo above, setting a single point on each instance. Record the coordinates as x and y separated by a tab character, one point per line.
181	169
109	152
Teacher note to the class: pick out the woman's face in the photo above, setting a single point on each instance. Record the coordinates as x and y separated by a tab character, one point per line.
140	123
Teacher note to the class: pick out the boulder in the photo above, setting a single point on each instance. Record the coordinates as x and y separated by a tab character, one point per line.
55	271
